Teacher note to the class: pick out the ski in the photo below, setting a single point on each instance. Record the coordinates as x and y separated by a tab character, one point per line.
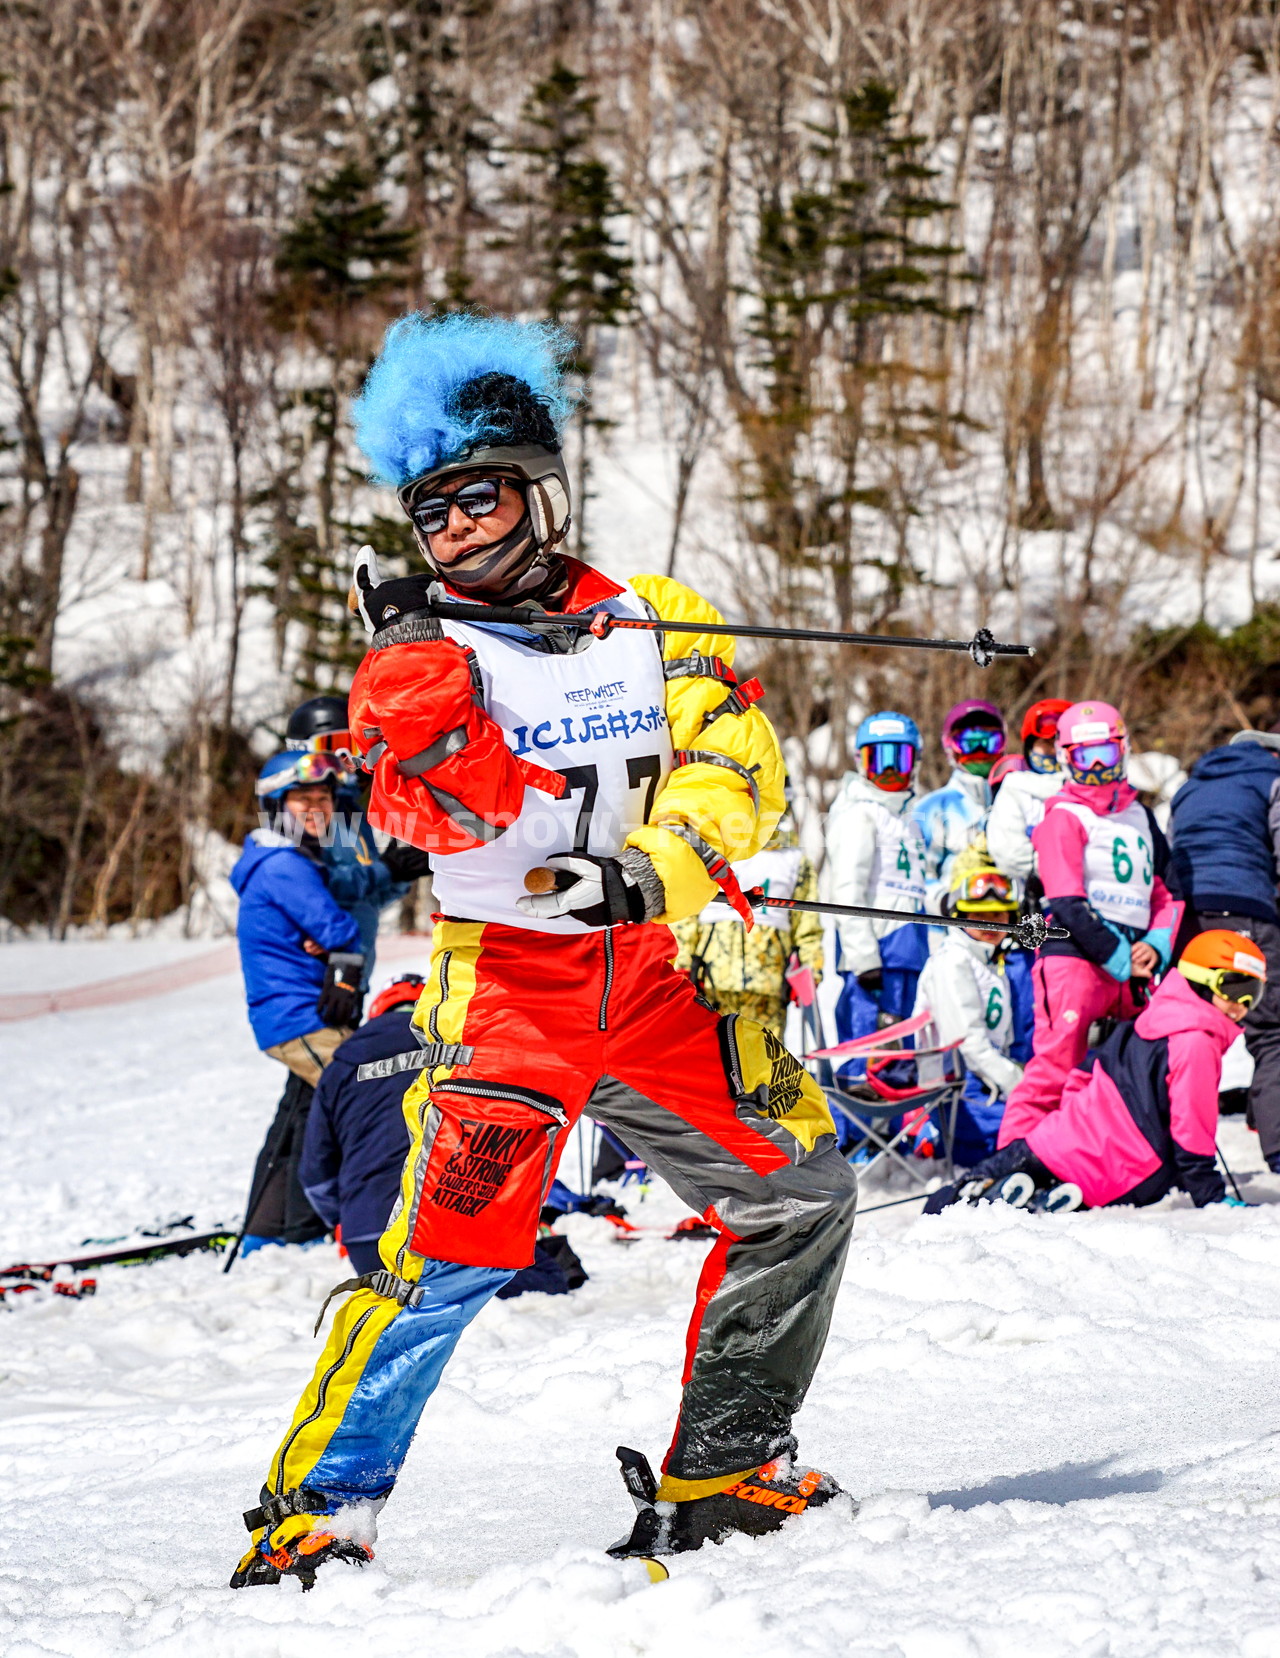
35	1272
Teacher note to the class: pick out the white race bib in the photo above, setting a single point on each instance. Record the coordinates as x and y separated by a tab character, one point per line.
898	879
598	717
1119	863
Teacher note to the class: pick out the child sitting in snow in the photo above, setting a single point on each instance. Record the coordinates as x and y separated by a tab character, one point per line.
980	996
1140	1115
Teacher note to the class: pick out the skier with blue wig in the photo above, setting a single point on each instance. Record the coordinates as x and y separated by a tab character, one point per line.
577	792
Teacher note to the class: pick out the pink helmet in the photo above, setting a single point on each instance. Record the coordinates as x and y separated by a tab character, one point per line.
979	753
1093	742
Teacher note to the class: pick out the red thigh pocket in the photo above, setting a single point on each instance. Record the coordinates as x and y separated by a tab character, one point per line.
492	1153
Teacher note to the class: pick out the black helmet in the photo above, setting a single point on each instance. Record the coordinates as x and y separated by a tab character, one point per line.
318	717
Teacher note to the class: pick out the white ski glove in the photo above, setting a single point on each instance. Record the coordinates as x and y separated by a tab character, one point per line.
599	892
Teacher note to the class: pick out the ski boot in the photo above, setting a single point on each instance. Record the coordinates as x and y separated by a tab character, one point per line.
289	1540
1059	1200
755	1504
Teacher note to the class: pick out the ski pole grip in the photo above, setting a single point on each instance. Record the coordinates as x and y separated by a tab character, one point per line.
540	881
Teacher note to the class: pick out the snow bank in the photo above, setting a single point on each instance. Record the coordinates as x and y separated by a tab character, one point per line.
1061	1430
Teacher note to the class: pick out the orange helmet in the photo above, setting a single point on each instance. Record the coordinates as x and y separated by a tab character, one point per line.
1229	964
400	992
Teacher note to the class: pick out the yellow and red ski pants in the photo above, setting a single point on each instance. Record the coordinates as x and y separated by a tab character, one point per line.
524	1032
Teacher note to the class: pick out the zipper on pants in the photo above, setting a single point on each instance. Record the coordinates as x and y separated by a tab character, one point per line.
603	1021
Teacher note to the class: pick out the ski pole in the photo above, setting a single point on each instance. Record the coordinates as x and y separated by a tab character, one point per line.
896	1203
983	648
1030	931
259	1186
1226	1169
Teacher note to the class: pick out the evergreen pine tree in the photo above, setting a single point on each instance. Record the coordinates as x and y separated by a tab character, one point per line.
584	274
339	264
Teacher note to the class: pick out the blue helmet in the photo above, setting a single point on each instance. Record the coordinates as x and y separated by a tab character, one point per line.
292	769
888	728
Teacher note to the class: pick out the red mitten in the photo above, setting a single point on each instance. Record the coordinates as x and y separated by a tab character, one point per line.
446	779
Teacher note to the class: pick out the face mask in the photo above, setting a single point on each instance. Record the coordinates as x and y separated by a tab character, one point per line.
510	568
1045	764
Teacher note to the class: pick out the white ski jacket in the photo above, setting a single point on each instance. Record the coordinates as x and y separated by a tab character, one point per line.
950	819
1019	807
875	855
969	998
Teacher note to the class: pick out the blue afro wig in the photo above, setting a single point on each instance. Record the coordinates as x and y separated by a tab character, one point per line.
445	385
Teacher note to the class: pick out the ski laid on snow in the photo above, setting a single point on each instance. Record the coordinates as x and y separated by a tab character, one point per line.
27	1275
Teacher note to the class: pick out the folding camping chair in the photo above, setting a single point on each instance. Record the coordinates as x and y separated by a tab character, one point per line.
873	1118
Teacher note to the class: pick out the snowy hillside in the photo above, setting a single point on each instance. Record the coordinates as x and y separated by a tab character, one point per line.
1063	1432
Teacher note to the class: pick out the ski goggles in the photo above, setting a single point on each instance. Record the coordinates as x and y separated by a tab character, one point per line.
978	739
882	757
1044	726
305	770
476	500
1244	988
1095	756
334	743
987	891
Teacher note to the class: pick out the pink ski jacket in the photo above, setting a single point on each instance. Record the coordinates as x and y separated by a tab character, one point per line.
1144	1104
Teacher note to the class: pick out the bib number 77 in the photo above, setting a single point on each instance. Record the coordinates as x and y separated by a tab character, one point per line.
641	768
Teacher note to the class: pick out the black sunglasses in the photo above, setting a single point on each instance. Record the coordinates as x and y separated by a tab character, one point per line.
476	500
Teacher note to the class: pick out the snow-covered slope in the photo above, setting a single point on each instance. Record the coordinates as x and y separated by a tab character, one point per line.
1063	1432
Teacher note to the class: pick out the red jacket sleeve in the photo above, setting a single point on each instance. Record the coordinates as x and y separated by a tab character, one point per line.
443	778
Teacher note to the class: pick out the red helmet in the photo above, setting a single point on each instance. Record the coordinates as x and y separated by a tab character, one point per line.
406	989
1041	719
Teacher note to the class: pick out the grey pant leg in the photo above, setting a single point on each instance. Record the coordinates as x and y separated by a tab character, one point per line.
1261	1031
772	1281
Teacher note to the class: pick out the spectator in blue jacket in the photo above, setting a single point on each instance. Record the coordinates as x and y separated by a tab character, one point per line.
300	956
362	879
1226	860
356	1142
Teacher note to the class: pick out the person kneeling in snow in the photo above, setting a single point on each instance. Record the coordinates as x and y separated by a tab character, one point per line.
356	1142
1140	1116
980	997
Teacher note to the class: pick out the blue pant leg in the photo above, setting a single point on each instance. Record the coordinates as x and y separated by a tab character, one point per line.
978	1120
369	1443
856	1014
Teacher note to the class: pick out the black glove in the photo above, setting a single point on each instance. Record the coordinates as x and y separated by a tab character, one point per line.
340	995
872	981
405	862
600	892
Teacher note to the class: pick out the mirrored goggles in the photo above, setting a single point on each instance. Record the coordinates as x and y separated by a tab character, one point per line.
1045	726
985	886
306	770
1095	756
979	739
882	757
325	742
475	500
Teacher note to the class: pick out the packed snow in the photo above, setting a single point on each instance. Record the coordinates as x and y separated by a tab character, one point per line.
1062	1431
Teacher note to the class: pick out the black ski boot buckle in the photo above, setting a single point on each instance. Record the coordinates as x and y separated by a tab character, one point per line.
648	1536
